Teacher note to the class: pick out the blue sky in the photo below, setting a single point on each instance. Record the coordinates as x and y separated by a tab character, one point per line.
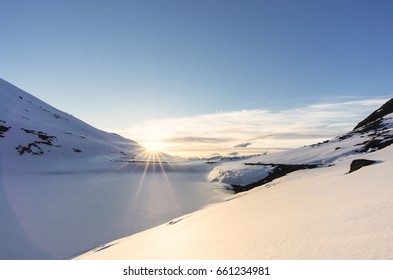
117	64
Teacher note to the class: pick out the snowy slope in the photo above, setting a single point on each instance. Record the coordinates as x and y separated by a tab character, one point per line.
321	213
367	137
35	132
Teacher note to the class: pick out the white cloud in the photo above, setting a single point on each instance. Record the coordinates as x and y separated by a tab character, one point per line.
262	129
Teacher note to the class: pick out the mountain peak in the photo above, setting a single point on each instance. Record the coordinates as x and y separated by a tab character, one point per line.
372	120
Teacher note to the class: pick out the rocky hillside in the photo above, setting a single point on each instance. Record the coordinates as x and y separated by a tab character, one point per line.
30	128
372	134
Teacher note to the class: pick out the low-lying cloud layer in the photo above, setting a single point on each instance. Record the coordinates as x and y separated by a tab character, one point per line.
252	131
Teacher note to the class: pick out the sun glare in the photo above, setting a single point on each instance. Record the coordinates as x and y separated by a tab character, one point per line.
154	146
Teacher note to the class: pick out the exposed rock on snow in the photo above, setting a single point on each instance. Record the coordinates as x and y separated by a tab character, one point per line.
356	164
276	171
3	128
378	127
35	148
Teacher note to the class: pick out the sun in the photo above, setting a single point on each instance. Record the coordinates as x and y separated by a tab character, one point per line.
154	146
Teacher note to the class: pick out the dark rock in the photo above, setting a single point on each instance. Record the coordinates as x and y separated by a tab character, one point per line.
34	147
76	150
280	170
376	144
3	129
356	164
44	136
345	136
31	148
29	130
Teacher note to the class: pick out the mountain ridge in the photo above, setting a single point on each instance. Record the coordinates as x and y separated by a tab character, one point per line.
384	110
31	127
374	133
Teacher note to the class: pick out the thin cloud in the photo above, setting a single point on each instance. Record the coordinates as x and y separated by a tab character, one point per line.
242	145
195	139
259	137
299	136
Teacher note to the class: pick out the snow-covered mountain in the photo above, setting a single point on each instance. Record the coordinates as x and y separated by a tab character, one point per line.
341	207
372	134
33	131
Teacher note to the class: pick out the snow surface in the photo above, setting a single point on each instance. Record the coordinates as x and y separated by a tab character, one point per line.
237	173
323	213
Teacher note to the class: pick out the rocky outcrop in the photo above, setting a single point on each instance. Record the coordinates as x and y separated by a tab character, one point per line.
3	129
359	163
373	121
278	171
377	127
